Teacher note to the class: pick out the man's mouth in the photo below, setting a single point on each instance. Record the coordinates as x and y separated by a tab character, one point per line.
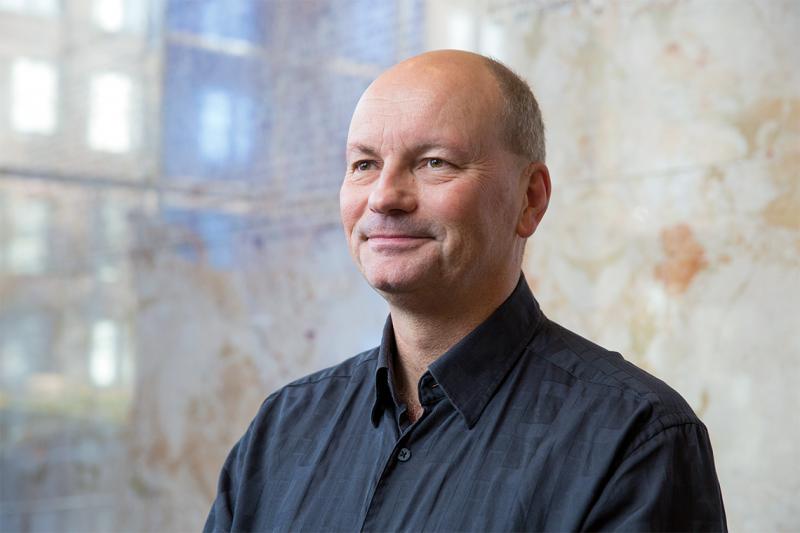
395	241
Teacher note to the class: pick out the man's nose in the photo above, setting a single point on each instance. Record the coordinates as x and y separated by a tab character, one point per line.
395	191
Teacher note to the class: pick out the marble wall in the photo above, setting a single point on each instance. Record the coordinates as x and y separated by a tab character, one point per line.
156	283
674	232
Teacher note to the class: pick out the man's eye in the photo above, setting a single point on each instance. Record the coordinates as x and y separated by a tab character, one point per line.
362	166
434	162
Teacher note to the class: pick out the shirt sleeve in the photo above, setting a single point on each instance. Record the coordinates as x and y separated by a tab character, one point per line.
667	483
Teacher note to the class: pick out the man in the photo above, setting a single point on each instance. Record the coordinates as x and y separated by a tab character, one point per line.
475	412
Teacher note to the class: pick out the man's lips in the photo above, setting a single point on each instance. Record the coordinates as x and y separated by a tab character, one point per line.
388	241
389	236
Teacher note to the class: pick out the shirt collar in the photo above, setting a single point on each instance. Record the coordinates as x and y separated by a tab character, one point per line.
384	375
470	371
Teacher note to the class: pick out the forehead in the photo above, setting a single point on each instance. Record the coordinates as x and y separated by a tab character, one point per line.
424	113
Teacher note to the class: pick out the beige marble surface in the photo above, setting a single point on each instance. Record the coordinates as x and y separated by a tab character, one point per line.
674	230
673	236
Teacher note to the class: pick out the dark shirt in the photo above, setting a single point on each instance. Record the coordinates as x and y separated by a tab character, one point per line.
526	427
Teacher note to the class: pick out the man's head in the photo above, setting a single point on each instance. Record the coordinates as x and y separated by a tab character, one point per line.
523	127
445	180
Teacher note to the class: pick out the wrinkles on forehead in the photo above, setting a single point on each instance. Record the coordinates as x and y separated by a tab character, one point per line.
383	135
453	151
415	113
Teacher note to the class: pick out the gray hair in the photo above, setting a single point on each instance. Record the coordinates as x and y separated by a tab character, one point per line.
522	119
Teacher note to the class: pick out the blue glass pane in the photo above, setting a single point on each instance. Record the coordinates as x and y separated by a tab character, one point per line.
247	20
367	30
216	235
314	117
309	35
25	344
216	111
415	34
216	125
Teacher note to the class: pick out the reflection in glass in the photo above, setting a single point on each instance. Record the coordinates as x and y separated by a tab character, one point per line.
110	97
217	109
215	125
13	365
215	230
103	359
492	39
36	7
109	15
461	30
378	22
245	127
102	408
110	236
240	20
27	246
33	96
25	347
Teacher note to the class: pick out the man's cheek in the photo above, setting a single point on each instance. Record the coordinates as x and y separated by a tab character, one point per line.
348	211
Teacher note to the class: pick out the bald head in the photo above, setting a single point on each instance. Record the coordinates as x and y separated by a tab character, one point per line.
483	82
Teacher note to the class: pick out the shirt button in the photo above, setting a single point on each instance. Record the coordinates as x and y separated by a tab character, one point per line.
404	455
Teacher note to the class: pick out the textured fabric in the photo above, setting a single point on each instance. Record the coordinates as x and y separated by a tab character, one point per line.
526	427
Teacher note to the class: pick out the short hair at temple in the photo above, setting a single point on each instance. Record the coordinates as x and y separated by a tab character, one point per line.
522	119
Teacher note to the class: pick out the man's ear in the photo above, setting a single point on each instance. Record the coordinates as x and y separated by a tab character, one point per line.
536	180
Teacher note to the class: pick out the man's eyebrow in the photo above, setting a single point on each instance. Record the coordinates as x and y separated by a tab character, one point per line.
424	147
362	148
418	149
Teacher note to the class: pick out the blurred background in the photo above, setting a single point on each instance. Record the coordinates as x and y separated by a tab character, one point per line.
170	249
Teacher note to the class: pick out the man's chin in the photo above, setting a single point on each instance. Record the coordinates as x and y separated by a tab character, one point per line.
389	275
394	283
392	286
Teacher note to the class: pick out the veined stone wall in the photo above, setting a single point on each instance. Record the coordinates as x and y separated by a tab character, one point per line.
673	234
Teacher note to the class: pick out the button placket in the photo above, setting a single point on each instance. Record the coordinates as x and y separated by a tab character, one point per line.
404	455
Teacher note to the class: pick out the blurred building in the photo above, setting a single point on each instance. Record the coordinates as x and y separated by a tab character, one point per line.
80	93
129	128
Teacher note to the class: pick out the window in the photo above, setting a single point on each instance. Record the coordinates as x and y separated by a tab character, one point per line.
461	30
119	15
27	246
33	7
215	125
110	234
25	347
492	40
109	15
33	96
110	109
103	359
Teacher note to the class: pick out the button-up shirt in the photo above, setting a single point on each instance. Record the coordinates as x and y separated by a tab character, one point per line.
525	427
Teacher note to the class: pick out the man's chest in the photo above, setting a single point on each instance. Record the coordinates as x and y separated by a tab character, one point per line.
435	476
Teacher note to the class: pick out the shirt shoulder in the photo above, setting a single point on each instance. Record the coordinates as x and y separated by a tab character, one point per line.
282	434
356	365
319	391
624	391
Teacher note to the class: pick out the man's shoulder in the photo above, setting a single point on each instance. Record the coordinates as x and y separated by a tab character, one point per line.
304	403
355	367
608	374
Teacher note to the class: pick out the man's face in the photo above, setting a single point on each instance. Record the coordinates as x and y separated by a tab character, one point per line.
431	197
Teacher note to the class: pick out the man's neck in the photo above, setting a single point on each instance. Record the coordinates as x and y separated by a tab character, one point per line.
422	336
